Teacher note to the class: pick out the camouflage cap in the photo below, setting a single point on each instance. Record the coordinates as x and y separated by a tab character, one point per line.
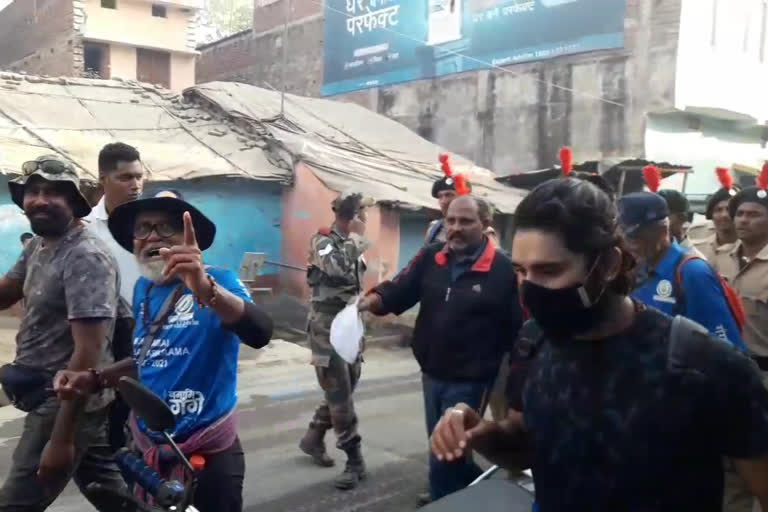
365	202
55	169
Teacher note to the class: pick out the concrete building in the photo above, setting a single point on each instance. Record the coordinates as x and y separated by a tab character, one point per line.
685	88
146	40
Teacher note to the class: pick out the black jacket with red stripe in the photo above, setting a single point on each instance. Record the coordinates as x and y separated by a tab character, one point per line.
465	325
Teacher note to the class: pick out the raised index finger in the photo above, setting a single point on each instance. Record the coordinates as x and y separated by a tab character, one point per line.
189	231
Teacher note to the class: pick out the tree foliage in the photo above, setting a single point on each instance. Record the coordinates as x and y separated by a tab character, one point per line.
222	18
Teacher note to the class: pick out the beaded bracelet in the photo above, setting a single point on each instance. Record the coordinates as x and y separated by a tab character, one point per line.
214	293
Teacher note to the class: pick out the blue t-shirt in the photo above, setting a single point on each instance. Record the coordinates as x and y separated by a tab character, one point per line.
192	363
704	297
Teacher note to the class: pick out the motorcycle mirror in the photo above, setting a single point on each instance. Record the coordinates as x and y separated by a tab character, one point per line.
146	405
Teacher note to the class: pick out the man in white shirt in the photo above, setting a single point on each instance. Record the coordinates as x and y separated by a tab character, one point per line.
121	175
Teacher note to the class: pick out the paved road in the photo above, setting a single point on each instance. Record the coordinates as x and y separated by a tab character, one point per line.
277	396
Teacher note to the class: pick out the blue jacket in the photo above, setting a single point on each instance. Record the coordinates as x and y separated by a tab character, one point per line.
704	298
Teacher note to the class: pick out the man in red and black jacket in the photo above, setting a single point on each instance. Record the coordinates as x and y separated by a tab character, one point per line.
469	317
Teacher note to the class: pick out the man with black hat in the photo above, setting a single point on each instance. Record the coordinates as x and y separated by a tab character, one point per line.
679	213
722	236
190	320
70	284
673	282
745	266
335	275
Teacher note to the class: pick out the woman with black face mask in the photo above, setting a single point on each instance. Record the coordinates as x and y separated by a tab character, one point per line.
624	408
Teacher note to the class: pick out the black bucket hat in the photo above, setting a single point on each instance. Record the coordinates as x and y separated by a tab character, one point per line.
121	221
56	170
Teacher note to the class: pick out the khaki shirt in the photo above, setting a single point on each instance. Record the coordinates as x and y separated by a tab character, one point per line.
687	244
751	282
710	250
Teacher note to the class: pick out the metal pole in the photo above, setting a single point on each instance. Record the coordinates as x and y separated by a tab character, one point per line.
285	54
622	177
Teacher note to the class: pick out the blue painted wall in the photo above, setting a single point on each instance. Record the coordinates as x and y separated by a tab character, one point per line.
247	215
12	224
413	226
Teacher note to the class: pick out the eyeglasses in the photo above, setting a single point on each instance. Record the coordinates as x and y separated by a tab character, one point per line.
143	230
48	166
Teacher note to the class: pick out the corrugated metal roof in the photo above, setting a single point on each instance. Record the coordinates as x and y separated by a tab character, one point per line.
77	117
349	146
227	129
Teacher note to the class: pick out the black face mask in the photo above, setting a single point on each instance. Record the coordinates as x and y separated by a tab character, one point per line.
563	311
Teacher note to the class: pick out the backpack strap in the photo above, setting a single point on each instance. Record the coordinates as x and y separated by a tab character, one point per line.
678	284
687	342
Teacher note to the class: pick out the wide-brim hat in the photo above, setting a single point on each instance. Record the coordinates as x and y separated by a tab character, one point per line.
53	169
122	220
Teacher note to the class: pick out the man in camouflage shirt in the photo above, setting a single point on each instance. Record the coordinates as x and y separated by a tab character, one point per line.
335	274
70	284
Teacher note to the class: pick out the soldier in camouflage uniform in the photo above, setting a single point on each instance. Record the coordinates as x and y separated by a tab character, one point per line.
335	274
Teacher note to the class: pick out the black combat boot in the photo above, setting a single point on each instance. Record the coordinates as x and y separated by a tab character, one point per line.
313	444
354	472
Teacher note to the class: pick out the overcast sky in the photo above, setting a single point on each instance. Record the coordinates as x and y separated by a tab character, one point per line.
3	3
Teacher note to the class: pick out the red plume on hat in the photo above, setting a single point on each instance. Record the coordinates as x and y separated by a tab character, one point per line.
445	165
725	178
762	179
566	160
652	176
462	187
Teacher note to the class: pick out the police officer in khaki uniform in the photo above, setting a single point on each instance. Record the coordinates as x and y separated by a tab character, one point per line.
745	266
720	235
335	274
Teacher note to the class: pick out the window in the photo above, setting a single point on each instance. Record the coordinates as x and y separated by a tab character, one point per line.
153	67
109	4
159	11
96	57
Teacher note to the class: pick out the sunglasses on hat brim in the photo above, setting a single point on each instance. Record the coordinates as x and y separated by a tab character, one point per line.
47	166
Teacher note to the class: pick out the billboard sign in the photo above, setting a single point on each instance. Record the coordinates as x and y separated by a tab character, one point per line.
371	43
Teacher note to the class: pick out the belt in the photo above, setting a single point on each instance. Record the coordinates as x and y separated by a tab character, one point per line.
762	362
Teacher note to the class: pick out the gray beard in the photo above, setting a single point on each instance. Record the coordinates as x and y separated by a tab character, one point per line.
152	270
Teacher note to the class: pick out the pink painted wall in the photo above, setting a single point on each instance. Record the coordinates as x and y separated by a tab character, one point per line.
307	208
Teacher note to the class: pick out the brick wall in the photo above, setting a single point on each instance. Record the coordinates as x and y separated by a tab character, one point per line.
267	16
258	59
508	121
39	37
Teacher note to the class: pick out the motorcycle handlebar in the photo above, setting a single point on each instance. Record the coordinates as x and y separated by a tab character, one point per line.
166	493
